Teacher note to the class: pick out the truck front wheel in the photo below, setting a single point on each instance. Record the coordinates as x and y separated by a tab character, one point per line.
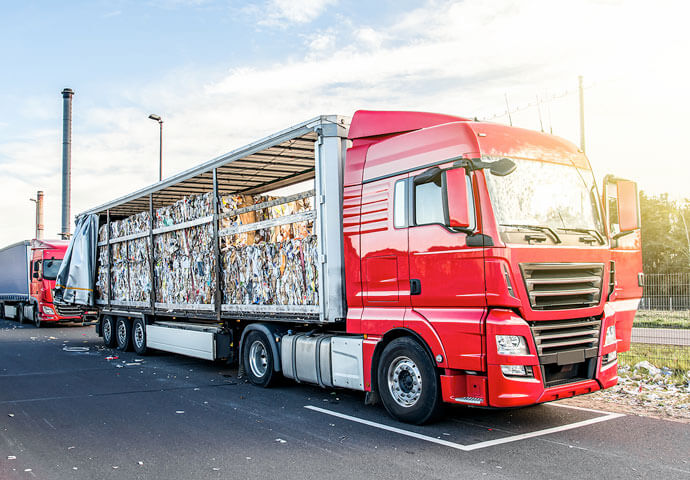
407	382
20	314
123	333
257	359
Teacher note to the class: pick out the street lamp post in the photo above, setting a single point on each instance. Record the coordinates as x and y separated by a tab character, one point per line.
160	145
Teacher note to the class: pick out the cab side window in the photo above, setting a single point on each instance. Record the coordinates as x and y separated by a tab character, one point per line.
612	208
426	203
429	203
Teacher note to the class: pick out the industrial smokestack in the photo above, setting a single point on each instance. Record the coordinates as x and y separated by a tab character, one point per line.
39	215
66	160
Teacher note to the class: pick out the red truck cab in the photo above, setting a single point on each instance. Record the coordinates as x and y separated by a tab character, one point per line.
485	242
46	258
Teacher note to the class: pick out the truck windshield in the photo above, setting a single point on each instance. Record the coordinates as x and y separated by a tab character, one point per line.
546	195
50	268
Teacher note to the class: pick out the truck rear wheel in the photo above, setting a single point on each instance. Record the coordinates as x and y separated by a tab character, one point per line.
257	359
139	336
407	382
108	331
123	333
20	314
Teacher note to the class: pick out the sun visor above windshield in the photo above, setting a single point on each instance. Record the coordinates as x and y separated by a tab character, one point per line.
497	140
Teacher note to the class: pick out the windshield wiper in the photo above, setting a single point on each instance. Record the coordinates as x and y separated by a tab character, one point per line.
591	231
539	228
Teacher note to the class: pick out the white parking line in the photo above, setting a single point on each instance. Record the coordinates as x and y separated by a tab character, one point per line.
474	446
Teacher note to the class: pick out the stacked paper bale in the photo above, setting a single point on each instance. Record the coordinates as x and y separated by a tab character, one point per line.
272	266
185	259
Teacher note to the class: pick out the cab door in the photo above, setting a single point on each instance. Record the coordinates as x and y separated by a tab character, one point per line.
621	206
447	289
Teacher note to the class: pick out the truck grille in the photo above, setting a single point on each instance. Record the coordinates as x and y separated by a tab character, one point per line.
68	310
566	341
561	286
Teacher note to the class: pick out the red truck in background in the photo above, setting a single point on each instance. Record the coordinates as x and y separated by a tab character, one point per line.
458	261
27	278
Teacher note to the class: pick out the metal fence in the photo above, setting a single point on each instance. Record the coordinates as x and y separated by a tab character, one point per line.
661	331
666	291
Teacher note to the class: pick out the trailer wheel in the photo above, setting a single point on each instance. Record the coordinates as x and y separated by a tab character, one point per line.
407	382
257	359
139	336
2	311
108	331
123	333
20	313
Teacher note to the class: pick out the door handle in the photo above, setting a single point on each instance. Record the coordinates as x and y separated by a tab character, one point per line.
415	287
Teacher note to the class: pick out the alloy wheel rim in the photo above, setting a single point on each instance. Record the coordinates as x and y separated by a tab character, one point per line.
121	333
258	359
404	381
139	335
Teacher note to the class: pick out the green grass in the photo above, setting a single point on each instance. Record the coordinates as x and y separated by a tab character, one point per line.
676	358
662	319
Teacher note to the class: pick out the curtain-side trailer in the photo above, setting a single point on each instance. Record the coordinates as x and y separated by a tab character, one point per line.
421	258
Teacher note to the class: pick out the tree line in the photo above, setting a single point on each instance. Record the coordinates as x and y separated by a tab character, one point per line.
665	237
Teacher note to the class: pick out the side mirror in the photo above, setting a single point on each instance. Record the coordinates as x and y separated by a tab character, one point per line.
502	167
628	215
456	189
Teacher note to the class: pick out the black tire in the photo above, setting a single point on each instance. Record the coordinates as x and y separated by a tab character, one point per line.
2	311
108	331
139	336
123	333
257	359
20	314
407	382
37	317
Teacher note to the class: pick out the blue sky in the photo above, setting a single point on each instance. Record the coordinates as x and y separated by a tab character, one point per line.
223	73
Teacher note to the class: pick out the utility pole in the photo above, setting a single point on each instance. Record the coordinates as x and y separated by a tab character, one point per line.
582	114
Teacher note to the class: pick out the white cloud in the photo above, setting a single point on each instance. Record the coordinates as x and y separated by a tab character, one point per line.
458	58
285	12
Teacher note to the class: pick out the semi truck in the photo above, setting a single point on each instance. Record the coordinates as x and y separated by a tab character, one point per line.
27	277
455	261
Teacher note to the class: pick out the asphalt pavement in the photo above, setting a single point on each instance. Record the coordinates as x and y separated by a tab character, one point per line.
70	409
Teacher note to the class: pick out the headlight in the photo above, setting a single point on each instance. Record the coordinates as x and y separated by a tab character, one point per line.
610	335
48	311
511	345
516	370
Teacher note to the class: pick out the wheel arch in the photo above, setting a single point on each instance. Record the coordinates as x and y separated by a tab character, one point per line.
387	338
271	332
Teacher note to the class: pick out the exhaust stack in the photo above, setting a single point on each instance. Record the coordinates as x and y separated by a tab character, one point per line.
39	215
66	160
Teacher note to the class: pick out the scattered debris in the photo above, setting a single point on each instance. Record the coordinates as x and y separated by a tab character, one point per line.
10	414
641	392
11	457
112	357
140	463
75	349
179	411
280	440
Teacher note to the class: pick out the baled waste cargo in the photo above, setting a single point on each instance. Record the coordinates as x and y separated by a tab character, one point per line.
268	266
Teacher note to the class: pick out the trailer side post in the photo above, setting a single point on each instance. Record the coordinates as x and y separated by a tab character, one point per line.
330	153
152	294
107	246
216	242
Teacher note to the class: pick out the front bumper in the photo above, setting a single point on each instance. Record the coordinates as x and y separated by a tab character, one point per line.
495	389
